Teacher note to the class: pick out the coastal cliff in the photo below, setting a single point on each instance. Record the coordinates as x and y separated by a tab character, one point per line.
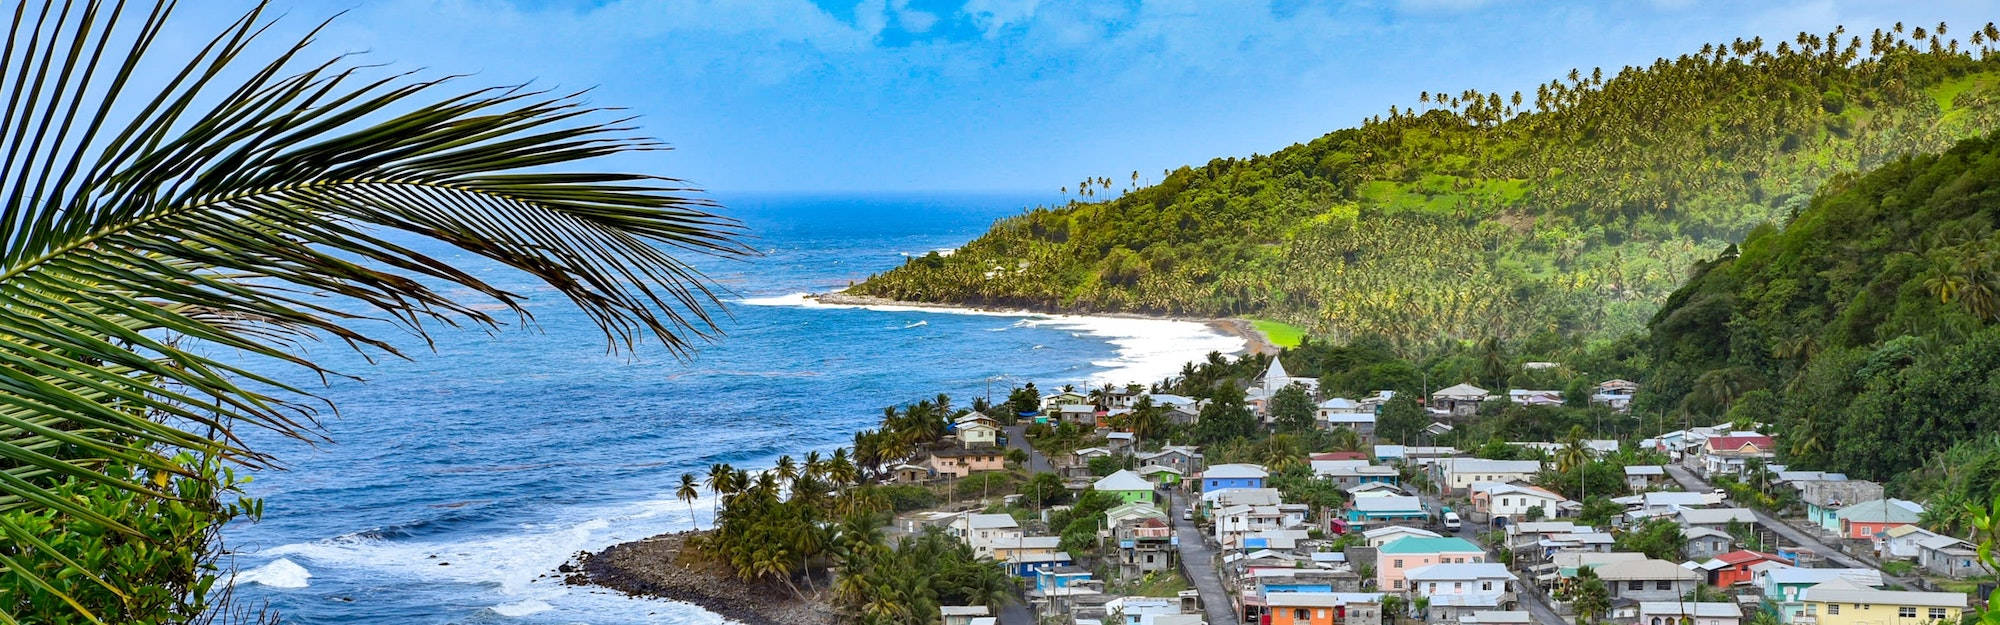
653	567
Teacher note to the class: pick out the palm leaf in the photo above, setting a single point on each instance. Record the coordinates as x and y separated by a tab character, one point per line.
245	206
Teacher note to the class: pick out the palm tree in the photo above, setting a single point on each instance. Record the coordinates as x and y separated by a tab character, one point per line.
787	468
688	493
242	208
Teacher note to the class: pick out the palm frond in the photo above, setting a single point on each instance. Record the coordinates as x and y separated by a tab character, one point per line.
248	210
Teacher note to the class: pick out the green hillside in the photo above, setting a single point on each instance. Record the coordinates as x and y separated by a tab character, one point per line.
1574	209
1864	329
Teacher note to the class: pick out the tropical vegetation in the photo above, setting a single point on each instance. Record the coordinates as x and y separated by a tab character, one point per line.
159	212
1576	207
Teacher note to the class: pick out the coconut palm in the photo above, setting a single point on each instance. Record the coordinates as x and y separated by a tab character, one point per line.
246	206
689	492
787	469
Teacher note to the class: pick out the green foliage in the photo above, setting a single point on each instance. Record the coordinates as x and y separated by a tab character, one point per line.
1659	539
1044	489
905	584
166	573
907	497
1106	465
1598	511
1592	599
1225	417
1470	216
1867	322
1401	419
1292	409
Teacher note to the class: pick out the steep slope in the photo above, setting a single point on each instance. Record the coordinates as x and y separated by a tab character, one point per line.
1575	209
1864	329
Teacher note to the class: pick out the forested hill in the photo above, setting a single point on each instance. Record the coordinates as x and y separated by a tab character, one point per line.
1576	208
1865	327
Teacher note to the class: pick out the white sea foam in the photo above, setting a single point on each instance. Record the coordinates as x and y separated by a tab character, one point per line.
1149	350
522	608
518	564
280	573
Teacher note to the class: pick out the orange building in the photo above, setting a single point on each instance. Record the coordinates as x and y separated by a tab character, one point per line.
1322	608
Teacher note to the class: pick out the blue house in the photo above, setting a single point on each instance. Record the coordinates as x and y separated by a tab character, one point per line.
1371	510
1227	476
1032	564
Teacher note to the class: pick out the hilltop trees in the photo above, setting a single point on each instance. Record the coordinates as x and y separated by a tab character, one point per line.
1576	209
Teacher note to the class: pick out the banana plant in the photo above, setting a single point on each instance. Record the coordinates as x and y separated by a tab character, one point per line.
251	205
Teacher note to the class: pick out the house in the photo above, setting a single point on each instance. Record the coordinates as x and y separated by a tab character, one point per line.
1185	459
1363	423
1569	562
1339	455
1717	518
1217	500
1727	455
1782	586
1077	414
1344	473
1383	535
1685	613
982	531
1734	568
1323	608
962	462
1500	504
1673	501
1184	415
1458	474
1234	523
1525	397
1144	546
1132	511
961	614
1161	475
1647	580
977	430
1459	401
1125	485
1338	404
1615	393
1460	589
1032	548
1165	400
1397	558
1275	377
1824	499
1703	543
1950	557
1869	519
1373	489
1841	602
1374	403
1053	401
910	474
1148	611
1227	476
1901	541
1371	511
1644	477
1121	443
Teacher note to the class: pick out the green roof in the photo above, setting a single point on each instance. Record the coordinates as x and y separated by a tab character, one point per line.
1425	544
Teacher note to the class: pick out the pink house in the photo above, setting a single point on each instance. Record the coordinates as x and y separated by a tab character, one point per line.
1398	557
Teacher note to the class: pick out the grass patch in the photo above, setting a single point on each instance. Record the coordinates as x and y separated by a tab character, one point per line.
1158	584
1278	333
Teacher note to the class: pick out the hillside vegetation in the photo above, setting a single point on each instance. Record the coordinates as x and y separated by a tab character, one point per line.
1571	210
1864	329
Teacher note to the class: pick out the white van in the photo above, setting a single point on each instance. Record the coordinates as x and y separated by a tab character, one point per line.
1451	521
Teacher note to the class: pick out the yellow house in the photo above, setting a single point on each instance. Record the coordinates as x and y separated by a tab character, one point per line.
977	430
1841	602
1006	550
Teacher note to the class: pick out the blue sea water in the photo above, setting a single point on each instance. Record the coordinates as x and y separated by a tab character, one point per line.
457	481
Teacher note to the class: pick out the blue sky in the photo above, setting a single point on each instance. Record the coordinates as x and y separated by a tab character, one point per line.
926	95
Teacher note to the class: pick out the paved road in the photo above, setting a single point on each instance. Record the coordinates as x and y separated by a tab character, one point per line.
1198	561
1688	481
1017	438
1016	612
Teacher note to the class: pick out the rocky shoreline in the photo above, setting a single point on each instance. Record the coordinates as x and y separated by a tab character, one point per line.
652	567
1254	341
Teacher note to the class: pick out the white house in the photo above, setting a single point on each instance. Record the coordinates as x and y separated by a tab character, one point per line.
1461	589
1685	613
1458	474
1383	535
1494	502
983	531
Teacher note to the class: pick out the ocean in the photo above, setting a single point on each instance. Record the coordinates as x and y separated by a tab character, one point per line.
457	481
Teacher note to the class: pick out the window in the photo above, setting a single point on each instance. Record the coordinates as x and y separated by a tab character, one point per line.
1833	608
1485	585
1399	563
1434	587
1458	585
1399	584
1663	585
1937	614
1906	612
1322	613
1635	585
1300	614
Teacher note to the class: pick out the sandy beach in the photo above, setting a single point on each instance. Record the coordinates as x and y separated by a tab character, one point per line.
1254	342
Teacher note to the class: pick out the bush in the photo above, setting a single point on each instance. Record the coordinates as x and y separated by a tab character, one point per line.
907	497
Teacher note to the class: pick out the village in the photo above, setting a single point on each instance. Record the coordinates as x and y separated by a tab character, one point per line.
1703	528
